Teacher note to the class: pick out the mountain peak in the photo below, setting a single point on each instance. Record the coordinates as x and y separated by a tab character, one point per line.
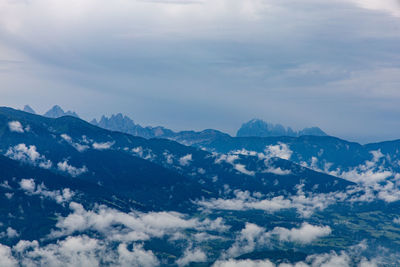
56	112
28	109
260	128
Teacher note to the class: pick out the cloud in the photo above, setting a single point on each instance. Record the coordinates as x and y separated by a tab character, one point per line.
71	170
242	168
28	185
7	260
79	250
280	150
77	146
374	180
248	239
244	263
277	171
332	259
168	157
137	257
102	146
305	234
192	255
185	160
254	237
231	158
228	158
28	155
304	204
133	226
15	126
391	7
60	196
10	233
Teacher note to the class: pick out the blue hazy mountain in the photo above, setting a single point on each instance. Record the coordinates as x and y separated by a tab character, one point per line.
261	128
66	181
127	163
125	124
57	112
28	109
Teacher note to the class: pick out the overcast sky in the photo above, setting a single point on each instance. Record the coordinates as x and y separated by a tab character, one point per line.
209	64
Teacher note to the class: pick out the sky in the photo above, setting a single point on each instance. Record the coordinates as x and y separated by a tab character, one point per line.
197	64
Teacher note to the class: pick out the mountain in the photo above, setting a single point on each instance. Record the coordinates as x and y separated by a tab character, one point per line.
56	112
74	194
261	128
28	109
127	163
124	124
305	145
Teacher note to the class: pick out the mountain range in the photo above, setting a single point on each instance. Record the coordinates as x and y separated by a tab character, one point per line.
122	123
260	128
55	112
76	194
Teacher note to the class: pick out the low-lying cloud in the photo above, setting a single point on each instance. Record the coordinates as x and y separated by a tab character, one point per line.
28	155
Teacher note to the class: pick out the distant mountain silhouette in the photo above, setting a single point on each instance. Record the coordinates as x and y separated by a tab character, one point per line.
57	112
125	124
260	128
28	109
122	123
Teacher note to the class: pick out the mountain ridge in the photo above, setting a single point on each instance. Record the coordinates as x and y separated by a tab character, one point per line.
260	128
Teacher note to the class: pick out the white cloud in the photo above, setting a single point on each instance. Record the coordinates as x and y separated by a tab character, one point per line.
138	151
73	251
28	185
76	251
29	155
71	170
229	158
137	257
254	237
280	150
249	238
77	146
11	233
185	160
102	146
277	171
9	195
132	226
305	234
330	259
242	168
192	255
169	158
60	196
7	260
15	126
305	204
244	263
374	180
396	220
391	7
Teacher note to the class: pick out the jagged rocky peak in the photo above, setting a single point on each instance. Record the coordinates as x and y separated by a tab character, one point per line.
28	109
116	122
56	112
312	131
260	128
